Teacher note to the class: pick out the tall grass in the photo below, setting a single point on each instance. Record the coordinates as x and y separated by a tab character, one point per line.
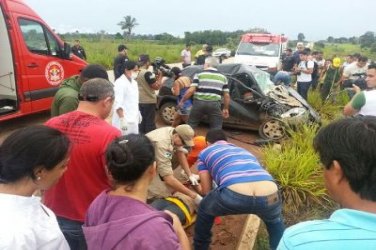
331	108
297	169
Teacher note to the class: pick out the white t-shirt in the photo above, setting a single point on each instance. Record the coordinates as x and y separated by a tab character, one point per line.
25	223
304	77
127	98
186	55
352	69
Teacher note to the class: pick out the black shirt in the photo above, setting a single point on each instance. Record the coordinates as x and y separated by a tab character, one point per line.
119	65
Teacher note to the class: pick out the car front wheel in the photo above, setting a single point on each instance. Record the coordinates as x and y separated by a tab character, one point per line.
272	129
167	112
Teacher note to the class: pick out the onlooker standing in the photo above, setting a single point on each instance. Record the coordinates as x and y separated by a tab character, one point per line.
348	155
148	83
119	218
207	53
316	71
78	50
186	56
354	71
304	71
179	87
364	102
31	159
243	187
119	60
126	115
331	79
296	54
66	98
201	51
288	61
86	176
207	89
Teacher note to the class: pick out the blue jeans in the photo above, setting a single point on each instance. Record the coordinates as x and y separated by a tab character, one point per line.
73	233
282	77
223	201
209	109
303	88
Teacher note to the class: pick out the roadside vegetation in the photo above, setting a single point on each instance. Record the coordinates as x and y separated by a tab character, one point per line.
297	169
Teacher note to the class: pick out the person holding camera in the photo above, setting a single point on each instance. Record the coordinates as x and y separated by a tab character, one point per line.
148	83
304	73
364	102
354	74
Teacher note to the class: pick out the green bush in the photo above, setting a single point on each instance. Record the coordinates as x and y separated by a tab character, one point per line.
297	170
330	109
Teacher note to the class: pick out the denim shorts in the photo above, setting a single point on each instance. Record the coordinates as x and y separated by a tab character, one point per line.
184	110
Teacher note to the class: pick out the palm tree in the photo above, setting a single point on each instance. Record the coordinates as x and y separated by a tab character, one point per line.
128	24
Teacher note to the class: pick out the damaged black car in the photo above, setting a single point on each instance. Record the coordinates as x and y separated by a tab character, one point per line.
256	103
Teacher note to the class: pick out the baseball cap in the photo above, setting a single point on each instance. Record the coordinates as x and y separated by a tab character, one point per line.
186	133
336	62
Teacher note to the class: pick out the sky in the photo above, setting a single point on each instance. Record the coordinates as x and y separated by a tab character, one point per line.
317	19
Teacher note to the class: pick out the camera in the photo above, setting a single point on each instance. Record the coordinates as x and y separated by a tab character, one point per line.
160	66
360	82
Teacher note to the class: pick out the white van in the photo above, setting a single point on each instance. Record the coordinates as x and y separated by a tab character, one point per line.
261	50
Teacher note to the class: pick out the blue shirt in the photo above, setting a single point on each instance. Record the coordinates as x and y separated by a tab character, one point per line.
229	164
345	229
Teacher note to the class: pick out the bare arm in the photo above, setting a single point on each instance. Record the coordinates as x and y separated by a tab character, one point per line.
183	162
348	110
176	88
188	94
206	182
226	104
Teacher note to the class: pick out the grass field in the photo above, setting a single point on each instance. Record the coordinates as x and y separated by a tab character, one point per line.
103	51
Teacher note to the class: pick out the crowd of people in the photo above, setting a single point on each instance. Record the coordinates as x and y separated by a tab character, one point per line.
309	70
123	183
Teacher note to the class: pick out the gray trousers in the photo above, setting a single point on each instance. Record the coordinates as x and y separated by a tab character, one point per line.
208	110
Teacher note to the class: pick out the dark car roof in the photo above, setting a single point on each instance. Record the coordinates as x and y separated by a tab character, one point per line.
232	69
227	69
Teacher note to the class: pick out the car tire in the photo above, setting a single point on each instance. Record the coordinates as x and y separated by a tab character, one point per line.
272	129
167	112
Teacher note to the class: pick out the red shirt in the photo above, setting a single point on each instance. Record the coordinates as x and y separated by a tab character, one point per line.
85	177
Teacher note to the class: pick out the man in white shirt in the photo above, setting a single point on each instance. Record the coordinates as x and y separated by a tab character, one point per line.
304	71
126	116
364	102
186	56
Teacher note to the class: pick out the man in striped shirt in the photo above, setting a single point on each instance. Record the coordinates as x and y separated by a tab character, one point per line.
243	187
208	88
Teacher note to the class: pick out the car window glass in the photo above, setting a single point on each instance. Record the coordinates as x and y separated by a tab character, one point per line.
36	41
54	45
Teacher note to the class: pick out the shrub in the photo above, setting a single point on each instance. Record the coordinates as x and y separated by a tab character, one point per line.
297	170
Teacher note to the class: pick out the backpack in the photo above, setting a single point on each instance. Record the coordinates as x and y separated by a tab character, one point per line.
315	72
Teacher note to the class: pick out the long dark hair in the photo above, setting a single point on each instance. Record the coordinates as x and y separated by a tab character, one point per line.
29	148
